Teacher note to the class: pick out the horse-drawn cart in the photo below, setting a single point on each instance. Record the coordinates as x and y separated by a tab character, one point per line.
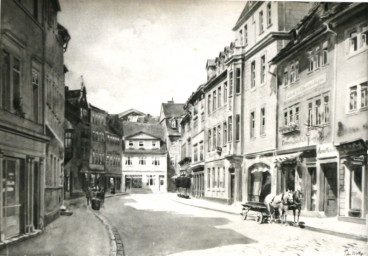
257	210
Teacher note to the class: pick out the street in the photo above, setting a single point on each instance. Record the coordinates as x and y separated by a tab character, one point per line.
152	224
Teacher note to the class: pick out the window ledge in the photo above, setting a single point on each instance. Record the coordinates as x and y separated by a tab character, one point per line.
351	55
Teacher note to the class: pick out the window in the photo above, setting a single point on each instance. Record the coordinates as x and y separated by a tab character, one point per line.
155	160
231	84
214	144
68	139
246	35
195	153
174	123
241	37
218	177
219	138
209	141
209	104
285	76
151	180
296	70
364	95
353	41
219	96
310	113
224	140
16	78
35	86
364	36
263	120
225	92
131	144
325	53
230	130
5	83
358	96
221	181
326	109
141	144
153	144
296	119
253	75
214	101
237	131
261	29
201	151
311	62
318	112
263	69
292	74
353	98
318	58
142	160
238	80
252	124
269	17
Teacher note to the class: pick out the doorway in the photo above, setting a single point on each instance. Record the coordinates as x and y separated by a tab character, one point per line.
330	189
232	187
36	196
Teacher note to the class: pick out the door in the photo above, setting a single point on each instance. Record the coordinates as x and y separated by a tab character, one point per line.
162	183
11	197
330	195
36	196
232	186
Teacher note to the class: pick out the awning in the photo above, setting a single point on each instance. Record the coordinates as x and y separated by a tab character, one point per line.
280	159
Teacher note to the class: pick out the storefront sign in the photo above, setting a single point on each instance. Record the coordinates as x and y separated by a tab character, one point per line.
305	88
351	148
327	150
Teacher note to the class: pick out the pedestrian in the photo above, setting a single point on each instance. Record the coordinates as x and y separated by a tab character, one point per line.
88	195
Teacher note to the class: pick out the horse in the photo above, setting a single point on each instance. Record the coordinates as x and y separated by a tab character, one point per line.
297	205
279	202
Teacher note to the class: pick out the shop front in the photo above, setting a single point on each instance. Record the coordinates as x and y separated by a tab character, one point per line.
258	181
298	171
353	181
197	188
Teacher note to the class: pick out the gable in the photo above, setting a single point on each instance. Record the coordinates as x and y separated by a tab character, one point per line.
142	136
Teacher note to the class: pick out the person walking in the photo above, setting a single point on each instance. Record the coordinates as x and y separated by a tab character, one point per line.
88	195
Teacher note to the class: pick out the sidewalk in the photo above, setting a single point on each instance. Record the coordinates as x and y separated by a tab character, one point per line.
79	234
325	225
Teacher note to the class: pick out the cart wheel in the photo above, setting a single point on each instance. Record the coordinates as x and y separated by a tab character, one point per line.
259	218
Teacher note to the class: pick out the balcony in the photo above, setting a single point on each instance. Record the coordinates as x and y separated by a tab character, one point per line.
185	161
289	129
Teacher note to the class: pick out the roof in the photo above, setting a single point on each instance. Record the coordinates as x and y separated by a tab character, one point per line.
171	131
130	111
245	14
140	132
97	109
132	128
173	109
309	27
210	63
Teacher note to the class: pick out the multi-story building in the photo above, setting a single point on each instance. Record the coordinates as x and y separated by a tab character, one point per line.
113	154
31	147
144	159
261	32
322	140
76	141
171	115
351	108
97	157
192	142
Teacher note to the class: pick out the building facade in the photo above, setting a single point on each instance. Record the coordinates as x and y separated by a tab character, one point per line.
261	32
171	115
322	140
30	138
144	159
76	141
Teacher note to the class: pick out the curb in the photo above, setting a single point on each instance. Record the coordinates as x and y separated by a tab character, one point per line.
116	244
320	230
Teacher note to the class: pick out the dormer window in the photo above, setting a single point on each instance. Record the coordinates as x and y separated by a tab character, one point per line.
174	123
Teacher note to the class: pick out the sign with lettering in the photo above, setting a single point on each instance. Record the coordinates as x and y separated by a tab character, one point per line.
306	87
327	150
352	147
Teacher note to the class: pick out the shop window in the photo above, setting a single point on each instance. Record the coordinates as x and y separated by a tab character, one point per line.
208	178
213	177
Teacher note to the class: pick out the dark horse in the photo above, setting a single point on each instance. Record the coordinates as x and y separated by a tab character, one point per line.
280	203
296	205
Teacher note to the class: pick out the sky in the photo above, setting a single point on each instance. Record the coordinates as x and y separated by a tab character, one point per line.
141	53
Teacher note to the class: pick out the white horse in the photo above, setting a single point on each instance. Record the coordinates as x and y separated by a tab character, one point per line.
280	203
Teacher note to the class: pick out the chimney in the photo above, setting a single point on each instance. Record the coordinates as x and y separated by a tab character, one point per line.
171	101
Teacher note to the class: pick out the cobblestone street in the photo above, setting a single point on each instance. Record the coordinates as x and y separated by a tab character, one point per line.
151	224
